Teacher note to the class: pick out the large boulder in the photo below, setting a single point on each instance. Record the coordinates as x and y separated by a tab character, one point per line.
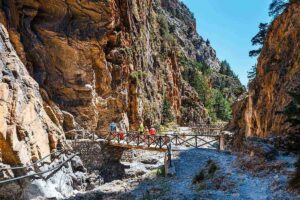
258	148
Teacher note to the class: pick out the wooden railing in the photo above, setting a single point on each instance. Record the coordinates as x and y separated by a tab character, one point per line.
27	167
161	141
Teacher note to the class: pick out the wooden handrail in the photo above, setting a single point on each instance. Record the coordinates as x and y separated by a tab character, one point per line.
35	163
38	173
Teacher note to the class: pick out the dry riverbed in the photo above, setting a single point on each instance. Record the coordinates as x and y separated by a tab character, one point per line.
200	174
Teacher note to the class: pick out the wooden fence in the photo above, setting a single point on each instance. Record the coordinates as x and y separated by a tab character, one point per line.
161	141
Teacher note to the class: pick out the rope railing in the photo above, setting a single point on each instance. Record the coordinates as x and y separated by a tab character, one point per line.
39	173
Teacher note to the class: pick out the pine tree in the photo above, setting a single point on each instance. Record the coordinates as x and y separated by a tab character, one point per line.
259	39
252	73
219	107
277	7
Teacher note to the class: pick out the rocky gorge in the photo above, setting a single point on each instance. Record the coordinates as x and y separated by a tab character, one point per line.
69	68
262	111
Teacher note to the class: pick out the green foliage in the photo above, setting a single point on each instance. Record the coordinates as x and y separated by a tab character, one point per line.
167	115
164	26
138	74
206	173
219	107
252	72
196	74
259	39
199	177
207	42
160	171
277	7
212	168
226	69
199	82
188	63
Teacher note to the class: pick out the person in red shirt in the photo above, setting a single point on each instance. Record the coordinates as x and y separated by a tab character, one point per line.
152	131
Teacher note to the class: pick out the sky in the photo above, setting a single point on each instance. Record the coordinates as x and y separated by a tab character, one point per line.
229	25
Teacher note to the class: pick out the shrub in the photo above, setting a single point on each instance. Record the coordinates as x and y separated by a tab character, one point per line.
206	173
164	26
212	169
160	171
199	177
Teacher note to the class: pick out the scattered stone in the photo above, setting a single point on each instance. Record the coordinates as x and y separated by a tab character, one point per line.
150	161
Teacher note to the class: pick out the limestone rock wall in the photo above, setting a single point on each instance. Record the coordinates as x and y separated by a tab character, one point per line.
109	60
278	72
26	131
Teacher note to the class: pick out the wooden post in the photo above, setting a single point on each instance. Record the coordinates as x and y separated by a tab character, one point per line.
93	136
176	139
138	140
169	154
160	142
148	138
222	142
196	141
118	134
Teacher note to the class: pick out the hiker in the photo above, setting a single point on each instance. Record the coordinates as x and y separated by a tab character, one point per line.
146	131
122	135
141	128
209	121
152	131
113	127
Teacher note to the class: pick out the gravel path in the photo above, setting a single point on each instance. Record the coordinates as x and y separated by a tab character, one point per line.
228	182
234	182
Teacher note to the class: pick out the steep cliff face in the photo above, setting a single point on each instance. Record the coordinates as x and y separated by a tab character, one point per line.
26	131
104	61
278	73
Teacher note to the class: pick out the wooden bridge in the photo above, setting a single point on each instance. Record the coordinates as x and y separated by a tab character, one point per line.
201	137
209	137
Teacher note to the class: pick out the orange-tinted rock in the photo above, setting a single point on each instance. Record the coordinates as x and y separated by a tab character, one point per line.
26	131
278	73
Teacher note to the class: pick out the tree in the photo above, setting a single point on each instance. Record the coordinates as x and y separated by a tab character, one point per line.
252	73
277	7
222	106
219	107
254	53
226	69
259	39
167	115
207	42
198	81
